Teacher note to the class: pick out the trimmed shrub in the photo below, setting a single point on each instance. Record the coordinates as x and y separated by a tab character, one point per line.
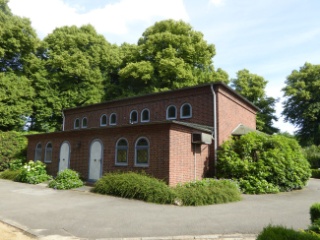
134	186
315	227
312	154
315	173
282	233
66	179
13	145
254	185
33	172
208	191
275	159
315	212
10	174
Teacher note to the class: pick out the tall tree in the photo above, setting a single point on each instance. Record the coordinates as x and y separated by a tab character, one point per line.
302	104
252	87
78	64
18	42
169	55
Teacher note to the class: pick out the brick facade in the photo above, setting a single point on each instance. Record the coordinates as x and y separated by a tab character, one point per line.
172	155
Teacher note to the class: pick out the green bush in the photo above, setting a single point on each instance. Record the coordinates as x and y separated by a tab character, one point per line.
208	191
312	154
13	145
282	233
315	212
33	172
254	185
66	179
315	173
134	186
315	227
275	159
10	174
16	164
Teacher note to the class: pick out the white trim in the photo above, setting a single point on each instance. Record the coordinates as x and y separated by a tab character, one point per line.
110	117
141	117
116	153
167	112
141	148
105	124
181	111
131	121
74	123
84	118
46	151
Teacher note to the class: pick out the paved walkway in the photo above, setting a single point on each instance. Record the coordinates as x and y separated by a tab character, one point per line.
79	214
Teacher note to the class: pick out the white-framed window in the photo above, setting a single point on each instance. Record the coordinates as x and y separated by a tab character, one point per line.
133	116
171	112
48	153
145	115
122	152
113	119
103	120
142	152
84	123
38	152
76	123
186	111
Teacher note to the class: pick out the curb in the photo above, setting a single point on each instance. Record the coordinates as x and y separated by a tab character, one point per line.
200	237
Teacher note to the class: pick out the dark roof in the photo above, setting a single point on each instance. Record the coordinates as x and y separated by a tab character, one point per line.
199	127
172	91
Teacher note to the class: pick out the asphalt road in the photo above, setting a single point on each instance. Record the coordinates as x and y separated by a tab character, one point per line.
45	212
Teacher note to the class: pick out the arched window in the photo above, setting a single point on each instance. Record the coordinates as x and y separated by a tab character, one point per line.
48	153
145	115
77	123
186	111
171	112
113	119
122	152
84	122
133	116
103	120
142	152
38	152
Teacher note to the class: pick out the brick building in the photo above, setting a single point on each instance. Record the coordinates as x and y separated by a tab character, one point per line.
171	135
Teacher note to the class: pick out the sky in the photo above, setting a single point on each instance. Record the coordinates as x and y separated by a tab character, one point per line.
270	38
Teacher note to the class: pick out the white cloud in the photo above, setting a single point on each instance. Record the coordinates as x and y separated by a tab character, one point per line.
116	18
217	2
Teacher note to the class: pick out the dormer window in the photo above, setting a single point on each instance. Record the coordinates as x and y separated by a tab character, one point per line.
133	116
145	115
113	119
186	111
171	112
84	122
103	120
76	123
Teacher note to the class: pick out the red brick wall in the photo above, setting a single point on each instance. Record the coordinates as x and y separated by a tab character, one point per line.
200	99
187	161
232	111
80	141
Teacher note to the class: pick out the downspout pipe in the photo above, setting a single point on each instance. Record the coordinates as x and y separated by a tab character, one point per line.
215	134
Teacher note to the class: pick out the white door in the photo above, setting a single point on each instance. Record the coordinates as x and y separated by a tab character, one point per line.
95	162
64	156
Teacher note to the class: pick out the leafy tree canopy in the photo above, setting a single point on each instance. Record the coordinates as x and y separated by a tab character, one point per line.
78	63
18	40
252	87
302	104
16	94
169	55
